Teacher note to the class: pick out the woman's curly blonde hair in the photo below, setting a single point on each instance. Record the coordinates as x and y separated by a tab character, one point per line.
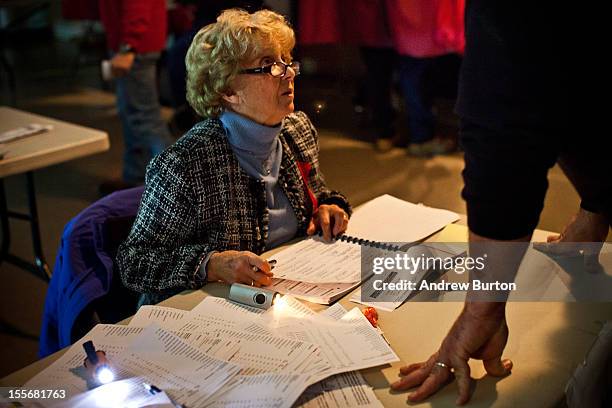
218	50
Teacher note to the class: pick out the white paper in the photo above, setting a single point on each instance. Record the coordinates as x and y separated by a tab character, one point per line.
215	313
25	131
68	371
334	312
262	353
242	357
263	391
348	344
217	306
322	293
165	317
313	260
186	374
389	300
128	393
389	219
346	390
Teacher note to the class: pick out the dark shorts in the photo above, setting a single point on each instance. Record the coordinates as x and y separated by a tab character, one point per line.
505	175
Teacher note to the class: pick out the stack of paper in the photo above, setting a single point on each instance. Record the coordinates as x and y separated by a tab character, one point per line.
221	354
322	272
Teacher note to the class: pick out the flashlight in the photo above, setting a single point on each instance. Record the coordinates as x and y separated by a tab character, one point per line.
252	296
99	365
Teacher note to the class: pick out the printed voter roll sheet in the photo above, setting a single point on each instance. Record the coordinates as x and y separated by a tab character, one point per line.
262	391
165	317
214	313
313	260
334	312
261	353
189	376
348	344
68	371
346	390
217	306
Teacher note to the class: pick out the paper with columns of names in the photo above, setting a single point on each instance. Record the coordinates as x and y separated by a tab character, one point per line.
164	316
346	390
315	261
163	358
183	372
293	314
249	352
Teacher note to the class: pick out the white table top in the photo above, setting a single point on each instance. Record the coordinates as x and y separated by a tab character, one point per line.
65	142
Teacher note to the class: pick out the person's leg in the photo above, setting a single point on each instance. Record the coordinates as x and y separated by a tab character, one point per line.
379	64
418	102
145	132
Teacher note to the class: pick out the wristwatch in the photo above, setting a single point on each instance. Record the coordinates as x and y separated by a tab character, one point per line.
126	48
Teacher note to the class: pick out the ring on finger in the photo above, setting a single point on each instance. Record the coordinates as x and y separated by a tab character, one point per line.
439	365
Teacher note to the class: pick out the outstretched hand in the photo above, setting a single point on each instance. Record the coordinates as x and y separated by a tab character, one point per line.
480	332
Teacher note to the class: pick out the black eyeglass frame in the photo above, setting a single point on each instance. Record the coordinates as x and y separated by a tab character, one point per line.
267	69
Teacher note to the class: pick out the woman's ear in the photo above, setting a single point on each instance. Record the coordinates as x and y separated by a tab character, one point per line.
231	98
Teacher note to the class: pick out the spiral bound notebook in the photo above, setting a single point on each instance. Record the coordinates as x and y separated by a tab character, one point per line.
366	242
321	272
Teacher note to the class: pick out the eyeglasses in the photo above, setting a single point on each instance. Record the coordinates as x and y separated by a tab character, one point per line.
277	69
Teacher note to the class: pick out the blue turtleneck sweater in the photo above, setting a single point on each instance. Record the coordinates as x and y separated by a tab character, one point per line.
259	152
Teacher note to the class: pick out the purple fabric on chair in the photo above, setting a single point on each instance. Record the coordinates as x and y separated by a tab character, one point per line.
83	271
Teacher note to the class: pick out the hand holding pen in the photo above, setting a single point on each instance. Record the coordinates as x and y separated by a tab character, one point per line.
239	267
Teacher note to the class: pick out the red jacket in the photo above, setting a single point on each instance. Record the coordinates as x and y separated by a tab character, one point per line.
139	23
419	28
427	28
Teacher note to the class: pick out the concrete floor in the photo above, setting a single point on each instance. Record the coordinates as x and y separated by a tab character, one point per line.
45	86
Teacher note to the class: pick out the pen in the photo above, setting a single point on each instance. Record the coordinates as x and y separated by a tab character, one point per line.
271	262
90	350
155	390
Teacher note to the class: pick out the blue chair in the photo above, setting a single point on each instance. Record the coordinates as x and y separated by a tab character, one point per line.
85	287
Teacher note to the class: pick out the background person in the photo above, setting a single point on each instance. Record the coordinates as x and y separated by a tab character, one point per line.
136	34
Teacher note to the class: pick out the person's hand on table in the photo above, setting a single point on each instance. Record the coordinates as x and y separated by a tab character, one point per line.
239	267
480	332
584	235
330	219
122	63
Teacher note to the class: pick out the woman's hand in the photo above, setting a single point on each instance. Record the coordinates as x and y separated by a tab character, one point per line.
479	332
330	219
239	267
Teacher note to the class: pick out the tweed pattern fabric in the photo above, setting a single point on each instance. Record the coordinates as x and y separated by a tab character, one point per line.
198	199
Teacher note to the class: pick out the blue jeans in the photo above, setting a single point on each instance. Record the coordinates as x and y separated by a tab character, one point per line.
417	96
145	133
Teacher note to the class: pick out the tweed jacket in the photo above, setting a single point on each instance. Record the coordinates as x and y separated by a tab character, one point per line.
198	199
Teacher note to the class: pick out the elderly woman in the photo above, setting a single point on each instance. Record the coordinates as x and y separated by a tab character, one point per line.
242	181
